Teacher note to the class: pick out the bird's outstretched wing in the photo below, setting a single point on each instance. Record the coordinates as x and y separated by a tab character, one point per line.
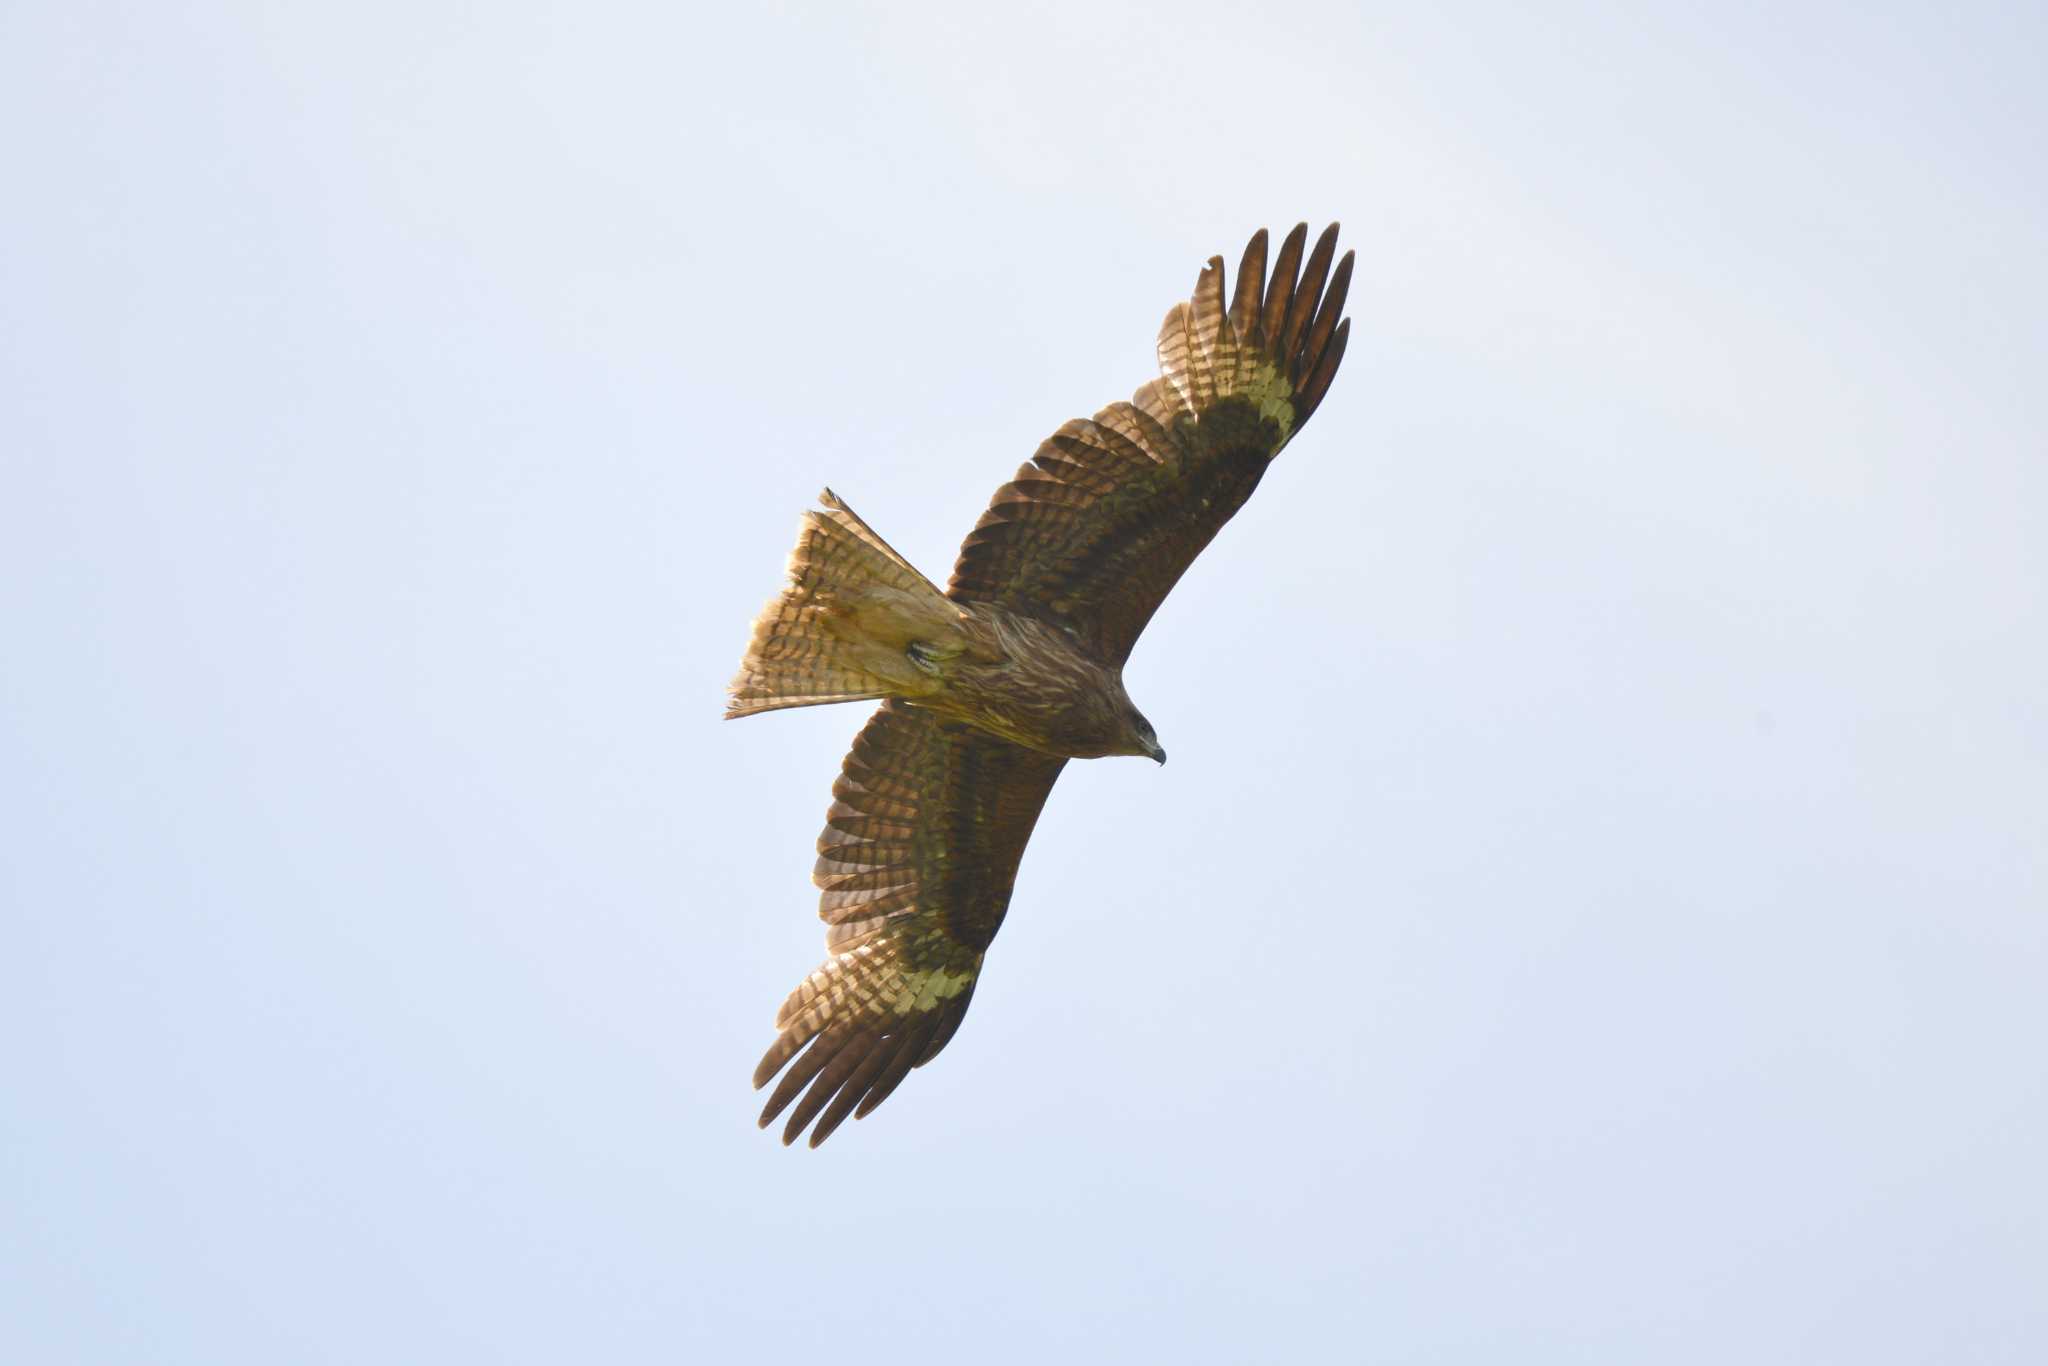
1101	523
929	818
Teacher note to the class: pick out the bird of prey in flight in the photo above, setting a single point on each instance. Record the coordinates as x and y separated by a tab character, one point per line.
989	687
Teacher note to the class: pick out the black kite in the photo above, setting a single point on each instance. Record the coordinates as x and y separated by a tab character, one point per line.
990	687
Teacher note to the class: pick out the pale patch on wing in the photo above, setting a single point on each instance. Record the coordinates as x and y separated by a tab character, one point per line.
871	980
1268	388
923	990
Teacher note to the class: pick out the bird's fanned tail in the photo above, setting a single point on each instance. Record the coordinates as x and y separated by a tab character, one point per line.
840	630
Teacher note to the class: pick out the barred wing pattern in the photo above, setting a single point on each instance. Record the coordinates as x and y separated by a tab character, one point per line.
920	849
1101	523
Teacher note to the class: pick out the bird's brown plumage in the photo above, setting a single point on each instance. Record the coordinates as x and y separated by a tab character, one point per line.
992	686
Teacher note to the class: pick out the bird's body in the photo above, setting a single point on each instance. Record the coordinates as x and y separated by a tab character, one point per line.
1033	684
991	686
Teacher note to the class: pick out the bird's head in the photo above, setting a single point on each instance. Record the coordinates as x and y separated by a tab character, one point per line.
1139	735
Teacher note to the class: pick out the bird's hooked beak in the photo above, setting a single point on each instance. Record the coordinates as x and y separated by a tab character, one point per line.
1155	753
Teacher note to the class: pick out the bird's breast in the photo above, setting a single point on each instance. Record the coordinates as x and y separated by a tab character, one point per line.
1038	686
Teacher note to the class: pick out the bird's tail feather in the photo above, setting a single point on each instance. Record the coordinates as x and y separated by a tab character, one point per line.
844	628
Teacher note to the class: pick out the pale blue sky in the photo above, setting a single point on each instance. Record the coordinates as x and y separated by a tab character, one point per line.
1595	911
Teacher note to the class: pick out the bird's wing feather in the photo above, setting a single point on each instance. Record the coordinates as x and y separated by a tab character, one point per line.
1101	523
929	819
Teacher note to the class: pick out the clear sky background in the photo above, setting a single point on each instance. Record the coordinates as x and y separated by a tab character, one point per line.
1598	906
